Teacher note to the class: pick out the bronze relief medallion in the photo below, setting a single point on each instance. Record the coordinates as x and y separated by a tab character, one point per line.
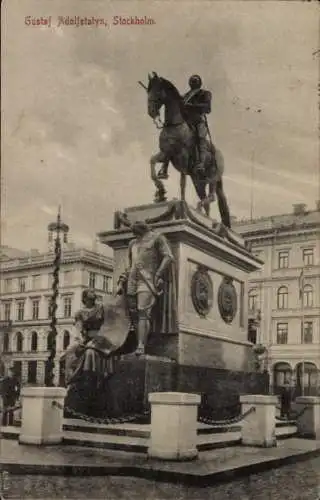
227	300
202	291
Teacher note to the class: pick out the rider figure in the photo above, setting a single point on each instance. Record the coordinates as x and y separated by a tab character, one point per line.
197	102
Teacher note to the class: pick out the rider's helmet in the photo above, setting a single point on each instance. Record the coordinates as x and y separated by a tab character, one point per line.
195	82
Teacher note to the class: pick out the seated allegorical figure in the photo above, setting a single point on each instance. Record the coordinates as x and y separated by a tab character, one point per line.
91	359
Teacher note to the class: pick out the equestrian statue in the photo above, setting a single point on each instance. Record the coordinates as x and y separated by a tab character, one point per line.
183	142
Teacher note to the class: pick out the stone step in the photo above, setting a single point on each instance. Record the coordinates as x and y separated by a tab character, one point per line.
284	423
212	441
135	437
107	441
10	431
286	431
123	429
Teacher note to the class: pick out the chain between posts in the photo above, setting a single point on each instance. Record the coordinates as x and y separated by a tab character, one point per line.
104	420
146	413
227	421
294	416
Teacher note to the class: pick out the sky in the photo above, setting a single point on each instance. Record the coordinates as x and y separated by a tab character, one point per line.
75	129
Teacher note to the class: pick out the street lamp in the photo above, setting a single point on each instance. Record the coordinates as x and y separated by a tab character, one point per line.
57	228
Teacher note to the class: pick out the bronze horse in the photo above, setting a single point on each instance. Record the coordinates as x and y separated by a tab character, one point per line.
177	144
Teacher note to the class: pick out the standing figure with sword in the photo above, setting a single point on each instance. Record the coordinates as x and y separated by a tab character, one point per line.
150	284
197	103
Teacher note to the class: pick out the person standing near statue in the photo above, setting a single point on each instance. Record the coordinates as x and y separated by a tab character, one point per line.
10	391
150	284
197	103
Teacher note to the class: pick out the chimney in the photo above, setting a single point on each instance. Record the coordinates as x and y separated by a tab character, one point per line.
318	205
299	208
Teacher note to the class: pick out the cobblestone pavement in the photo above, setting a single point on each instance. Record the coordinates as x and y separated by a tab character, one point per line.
293	482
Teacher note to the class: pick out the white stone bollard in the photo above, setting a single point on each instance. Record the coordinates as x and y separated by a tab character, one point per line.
259	426
41	420
173	425
308	422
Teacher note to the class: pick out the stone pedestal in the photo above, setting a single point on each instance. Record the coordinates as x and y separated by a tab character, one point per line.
135	378
308	421
173	426
212	267
41	420
258	427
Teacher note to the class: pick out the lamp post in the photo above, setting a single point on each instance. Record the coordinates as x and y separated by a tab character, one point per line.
57	228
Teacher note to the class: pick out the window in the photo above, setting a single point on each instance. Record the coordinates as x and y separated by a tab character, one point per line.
307	256
50	280
50	341
5	342
282	333
252	331
49	310
67	278
34	341
19	343
22	284
20	310
253	299
17	367
282	297
307	332
282	374
92	280
36	282
67	307
35	308
283	259
66	339
8	285
107	284
32	372
7	311
307	296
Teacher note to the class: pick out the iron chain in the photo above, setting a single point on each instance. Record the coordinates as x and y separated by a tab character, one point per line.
105	420
227	421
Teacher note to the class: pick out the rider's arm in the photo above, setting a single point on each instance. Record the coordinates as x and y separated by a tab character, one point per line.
204	103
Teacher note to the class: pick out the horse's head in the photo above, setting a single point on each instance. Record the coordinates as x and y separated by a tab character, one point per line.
156	94
162	92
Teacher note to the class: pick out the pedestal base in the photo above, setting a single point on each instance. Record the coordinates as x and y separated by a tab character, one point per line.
41	419
135	378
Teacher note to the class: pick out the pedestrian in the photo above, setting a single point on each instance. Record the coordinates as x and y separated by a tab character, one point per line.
286	398
10	391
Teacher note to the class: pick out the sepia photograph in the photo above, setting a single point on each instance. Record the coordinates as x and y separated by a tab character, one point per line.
160	250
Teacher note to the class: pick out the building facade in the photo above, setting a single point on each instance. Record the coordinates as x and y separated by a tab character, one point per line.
284	296
25	306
